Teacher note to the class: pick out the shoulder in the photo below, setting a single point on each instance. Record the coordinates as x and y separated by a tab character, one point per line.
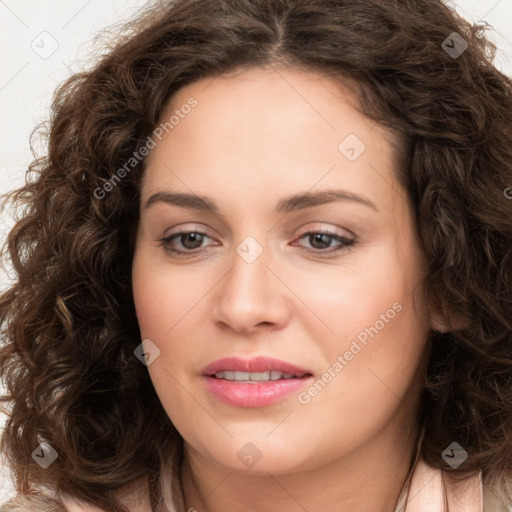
497	495
35	502
432	486
133	495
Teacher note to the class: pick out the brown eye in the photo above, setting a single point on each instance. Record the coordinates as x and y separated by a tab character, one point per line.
319	241
188	241
191	240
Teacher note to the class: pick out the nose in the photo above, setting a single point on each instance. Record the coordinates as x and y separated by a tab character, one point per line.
251	297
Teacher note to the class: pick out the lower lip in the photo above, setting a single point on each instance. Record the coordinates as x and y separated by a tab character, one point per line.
245	394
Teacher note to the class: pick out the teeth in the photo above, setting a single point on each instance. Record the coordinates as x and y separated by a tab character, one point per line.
259	376
254	376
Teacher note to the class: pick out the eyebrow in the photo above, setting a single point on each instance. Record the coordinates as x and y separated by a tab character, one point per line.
288	204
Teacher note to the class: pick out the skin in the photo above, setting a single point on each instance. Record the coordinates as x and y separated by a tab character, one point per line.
256	136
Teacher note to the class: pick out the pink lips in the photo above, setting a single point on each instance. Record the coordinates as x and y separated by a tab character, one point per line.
253	394
256	364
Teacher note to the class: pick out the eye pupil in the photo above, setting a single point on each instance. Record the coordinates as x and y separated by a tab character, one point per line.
195	238
321	238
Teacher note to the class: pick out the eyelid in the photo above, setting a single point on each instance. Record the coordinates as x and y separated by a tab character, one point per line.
200	228
307	228
345	243
321	227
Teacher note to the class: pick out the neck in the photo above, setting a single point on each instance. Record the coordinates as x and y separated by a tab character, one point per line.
370	477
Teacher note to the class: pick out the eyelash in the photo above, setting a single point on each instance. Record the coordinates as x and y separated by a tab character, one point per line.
346	243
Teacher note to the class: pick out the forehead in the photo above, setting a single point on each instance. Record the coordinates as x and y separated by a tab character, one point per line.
269	130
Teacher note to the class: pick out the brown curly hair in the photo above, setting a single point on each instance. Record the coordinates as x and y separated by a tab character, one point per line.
68	322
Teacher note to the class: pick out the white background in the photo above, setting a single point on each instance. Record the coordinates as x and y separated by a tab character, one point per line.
27	80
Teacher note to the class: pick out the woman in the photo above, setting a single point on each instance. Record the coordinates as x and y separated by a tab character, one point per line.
266	266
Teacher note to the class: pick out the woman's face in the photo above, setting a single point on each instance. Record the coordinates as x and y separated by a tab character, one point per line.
255	169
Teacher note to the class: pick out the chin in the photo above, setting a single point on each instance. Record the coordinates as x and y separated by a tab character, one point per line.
260	457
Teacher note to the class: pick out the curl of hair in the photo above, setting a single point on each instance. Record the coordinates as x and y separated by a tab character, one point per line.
68	322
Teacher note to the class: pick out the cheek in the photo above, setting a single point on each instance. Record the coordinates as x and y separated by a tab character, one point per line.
380	334
371	315
162	296
162	304
346	300
169	302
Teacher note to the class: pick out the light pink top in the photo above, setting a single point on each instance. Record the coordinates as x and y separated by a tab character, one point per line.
427	490
432	490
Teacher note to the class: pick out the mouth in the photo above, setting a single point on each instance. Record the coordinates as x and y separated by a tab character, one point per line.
254	377
256	369
256	382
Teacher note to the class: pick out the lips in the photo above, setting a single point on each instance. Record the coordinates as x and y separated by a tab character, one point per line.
256	382
255	365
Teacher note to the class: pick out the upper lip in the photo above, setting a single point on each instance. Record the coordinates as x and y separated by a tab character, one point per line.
255	364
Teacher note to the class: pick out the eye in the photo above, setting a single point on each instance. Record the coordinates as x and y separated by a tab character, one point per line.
321	240
191	242
188	240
